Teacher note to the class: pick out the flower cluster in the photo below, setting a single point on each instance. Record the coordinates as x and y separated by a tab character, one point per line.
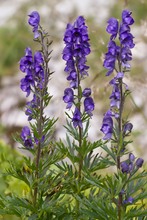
131	165
34	81
77	48
32	66
117	59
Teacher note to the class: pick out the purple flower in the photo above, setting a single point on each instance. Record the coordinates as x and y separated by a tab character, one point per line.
25	84
115	96
34	19
128	200
68	97
110	57
107	125
125	167
26	62
127	128
131	157
139	162
26	137
112	27
86	92
77	121
30	106
88	105
126	17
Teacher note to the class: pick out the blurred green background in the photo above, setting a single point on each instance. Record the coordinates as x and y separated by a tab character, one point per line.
16	35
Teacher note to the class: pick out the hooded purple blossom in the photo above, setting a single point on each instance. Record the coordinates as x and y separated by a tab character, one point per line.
86	92
68	97
26	137
139	162
77	121
107	125
125	167
110	57
127	128
88	105
131	157
34	20
112	27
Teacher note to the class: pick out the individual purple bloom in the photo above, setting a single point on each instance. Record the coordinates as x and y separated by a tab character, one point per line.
68	97
25	84
88	105
112	27
107	125
26	137
131	157
77	121
126	17
115	97
126	55
26	62
73	77
110	57
127	128
30	106
128	200
86	92
126	40
139	162
34	19
131	166
125	167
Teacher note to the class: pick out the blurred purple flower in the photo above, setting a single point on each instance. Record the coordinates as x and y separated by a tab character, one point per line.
107	125
88	105
34	19
26	137
77	121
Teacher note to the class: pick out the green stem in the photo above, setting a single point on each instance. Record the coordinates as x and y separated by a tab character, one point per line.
120	138
80	129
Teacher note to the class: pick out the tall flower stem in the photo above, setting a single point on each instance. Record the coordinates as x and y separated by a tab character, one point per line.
38	149
40	122
79	127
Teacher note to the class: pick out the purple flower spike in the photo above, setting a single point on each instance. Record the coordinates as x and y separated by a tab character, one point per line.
34	19
139	162
107	125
